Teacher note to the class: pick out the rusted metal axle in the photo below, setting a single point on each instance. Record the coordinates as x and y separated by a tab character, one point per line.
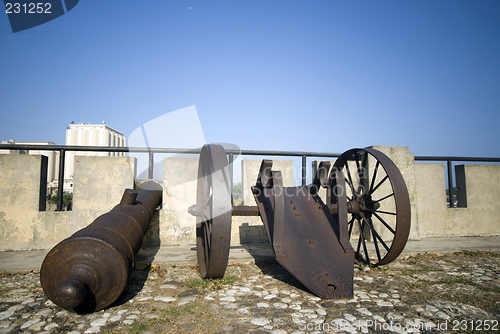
89	270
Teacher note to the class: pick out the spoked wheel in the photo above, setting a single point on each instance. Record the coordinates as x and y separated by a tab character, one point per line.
213	210
379	204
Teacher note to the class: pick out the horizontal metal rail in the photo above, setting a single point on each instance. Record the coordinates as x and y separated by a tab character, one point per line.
158	150
151	151
433	158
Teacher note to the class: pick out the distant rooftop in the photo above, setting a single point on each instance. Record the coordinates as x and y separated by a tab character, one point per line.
13	141
83	125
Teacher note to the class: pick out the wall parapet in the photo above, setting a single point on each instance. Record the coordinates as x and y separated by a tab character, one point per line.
99	185
100	182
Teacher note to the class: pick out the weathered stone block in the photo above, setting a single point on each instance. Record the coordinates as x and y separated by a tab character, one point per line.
177	226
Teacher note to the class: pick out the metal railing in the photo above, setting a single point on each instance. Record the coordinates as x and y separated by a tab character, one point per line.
62	149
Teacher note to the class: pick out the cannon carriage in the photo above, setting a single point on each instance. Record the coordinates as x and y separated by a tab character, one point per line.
364	217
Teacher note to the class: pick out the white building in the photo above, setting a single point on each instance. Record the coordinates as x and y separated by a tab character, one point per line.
89	135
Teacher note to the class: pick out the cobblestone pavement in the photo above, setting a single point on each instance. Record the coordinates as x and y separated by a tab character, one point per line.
423	293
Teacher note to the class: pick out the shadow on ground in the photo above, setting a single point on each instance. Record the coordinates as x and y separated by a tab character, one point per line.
264	260
142	263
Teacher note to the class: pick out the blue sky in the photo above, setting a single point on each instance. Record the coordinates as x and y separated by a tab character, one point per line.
303	75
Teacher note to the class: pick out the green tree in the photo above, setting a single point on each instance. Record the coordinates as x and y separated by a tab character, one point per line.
237	194
67	199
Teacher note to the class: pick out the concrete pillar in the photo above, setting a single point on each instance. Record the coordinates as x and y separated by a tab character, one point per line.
99	183
251	229
23	186
431	198
250	171
405	161
483	190
177	226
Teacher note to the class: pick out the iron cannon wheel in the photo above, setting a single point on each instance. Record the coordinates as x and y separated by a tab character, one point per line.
380	220
213	203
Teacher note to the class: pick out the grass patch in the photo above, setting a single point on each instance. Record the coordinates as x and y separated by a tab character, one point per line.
226	280
476	253
188	313
195	308
138	327
465	281
199	283
171	313
431	282
418	270
192	311
484	301
485	297
212	283
413	286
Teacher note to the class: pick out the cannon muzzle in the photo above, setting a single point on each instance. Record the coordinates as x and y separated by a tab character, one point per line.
89	270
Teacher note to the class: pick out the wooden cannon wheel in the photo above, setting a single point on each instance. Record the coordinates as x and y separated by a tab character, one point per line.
213	212
379	205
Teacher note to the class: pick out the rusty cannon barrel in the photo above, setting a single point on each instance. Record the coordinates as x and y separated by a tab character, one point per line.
89	270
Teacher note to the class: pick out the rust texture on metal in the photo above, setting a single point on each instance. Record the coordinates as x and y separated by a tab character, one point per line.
89	270
320	178
305	237
213	212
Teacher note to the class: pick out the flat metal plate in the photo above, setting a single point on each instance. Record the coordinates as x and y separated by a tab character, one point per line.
314	255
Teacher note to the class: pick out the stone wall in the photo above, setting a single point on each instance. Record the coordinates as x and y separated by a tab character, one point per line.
100	181
482	183
180	176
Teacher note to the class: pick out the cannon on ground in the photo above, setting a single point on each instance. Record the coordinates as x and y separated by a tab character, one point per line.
364	218
89	270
